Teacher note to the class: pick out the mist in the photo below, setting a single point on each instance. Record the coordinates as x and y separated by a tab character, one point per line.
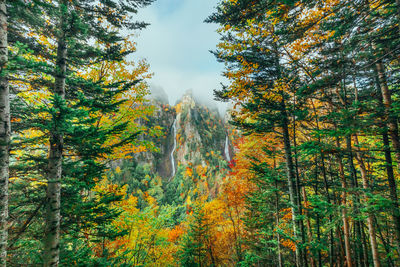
158	93
176	44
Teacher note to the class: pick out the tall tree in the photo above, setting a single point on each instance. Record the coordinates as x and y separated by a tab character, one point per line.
5	133
53	193
63	40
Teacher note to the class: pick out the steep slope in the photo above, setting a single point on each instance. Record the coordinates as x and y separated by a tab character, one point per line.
188	161
191	131
200	130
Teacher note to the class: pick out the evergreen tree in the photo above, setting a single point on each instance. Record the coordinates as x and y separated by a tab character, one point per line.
75	107
196	247
265	92
263	218
323	62
5	133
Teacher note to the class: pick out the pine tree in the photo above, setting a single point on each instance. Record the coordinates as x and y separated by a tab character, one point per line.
265	90
266	206
196	247
321	61
76	105
5	133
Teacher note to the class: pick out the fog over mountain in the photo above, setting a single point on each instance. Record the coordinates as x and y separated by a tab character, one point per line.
158	93
176	44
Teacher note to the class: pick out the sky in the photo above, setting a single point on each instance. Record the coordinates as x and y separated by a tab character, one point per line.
176	44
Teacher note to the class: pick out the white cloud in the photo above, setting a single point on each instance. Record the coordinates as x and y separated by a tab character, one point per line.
177	45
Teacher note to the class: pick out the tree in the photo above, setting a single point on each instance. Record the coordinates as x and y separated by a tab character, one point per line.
313	74
5	133
196	247
64	52
261	84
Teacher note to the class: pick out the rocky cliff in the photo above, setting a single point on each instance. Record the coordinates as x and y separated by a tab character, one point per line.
192	131
189	160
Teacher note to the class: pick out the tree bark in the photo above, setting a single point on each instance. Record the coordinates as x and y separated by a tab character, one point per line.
389	168
331	245
290	172
298	190
346	227
317	225
385	245
52	230
278	236
387	103
5	133
356	201
370	219
392	188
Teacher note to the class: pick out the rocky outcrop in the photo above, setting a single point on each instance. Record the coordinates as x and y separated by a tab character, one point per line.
163	116
198	130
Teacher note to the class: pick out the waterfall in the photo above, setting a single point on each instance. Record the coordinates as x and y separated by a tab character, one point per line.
173	149
227	153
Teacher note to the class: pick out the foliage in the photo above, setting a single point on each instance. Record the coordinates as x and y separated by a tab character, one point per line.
315	110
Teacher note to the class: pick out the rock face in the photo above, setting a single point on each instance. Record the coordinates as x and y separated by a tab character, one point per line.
199	131
192	130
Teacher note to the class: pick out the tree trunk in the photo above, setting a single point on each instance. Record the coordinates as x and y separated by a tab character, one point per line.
364	245
370	219
52	230
346	228
290	172
389	170
385	245
278	236
308	224
317	225
356	201
331	245
298	191
387	102
392	188
5	133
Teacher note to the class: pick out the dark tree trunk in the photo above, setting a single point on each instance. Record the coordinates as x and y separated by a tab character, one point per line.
387	103
290	172
389	164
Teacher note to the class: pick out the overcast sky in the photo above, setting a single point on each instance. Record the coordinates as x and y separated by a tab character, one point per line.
177	45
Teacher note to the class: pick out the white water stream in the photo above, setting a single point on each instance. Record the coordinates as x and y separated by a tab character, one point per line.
173	149
227	152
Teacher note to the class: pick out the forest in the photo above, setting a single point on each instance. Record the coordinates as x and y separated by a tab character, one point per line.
302	170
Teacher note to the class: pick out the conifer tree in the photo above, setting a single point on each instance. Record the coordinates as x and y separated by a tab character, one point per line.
265	206
260	57
5	133
70	29
330	54
196	247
